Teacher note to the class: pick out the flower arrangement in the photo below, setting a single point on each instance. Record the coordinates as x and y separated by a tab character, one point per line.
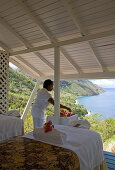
48	126
63	113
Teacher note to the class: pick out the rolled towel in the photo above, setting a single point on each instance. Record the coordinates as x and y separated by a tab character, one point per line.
52	137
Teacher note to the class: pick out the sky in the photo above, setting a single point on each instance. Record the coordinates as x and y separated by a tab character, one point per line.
13	66
105	83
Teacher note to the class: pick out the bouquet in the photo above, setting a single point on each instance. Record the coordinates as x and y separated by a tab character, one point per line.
48	126
63	113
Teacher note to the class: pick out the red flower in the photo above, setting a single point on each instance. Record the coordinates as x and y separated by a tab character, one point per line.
63	113
48	126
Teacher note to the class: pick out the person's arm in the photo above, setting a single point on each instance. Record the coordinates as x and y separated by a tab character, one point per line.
51	101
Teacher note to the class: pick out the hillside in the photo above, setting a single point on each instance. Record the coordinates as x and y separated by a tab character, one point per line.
21	84
81	88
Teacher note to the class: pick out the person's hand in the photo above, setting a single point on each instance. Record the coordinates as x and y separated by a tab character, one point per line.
69	109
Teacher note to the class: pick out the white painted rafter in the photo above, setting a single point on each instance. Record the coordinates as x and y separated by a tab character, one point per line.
70	60
9	28
20	59
73	16
44	60
67	42
43	29
4	46
84	76
37	20
26	44
33	49
25	69
96	55
12	60
82	30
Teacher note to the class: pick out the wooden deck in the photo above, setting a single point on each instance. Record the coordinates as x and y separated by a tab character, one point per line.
110	160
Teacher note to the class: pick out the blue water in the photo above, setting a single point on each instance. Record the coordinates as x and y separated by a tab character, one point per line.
103	104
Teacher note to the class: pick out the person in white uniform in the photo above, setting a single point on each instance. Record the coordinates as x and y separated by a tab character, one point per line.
41	103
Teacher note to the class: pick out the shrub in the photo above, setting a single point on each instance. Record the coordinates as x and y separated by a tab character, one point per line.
106	127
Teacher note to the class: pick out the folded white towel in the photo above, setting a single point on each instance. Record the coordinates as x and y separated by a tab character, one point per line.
53	137
83	124
67	121
86	144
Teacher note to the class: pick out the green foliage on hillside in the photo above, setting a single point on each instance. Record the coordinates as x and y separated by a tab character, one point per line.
106	128
82	88
69	99
17	101
19	83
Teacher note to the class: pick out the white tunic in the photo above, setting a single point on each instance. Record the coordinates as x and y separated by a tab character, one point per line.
41	103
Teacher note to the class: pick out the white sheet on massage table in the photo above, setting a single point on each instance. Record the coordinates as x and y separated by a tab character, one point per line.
85	143
10	126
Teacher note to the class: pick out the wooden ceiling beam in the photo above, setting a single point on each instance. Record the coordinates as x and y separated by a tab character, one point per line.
82	30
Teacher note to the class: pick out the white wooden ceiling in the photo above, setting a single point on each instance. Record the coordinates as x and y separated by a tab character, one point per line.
83	29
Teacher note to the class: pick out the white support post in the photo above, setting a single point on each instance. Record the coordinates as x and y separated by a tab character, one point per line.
30	101
56	84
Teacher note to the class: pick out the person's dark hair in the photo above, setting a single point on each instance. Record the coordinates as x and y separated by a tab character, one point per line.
47	83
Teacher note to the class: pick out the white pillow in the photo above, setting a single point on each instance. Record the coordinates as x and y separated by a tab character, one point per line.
52	137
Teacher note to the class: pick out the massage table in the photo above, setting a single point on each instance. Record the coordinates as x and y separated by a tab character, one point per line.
85	143
22	153
10	126
82	151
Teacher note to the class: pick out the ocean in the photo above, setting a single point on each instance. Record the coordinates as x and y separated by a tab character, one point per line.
103	104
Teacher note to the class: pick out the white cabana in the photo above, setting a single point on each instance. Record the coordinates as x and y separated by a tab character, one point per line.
59	39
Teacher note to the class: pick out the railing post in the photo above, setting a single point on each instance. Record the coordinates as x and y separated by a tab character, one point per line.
30	101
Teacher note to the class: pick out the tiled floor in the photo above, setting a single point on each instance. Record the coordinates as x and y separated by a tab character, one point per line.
110	160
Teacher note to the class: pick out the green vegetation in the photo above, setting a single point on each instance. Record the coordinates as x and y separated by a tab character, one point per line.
21	86
19	83
68	99
109	144
81	88
106	128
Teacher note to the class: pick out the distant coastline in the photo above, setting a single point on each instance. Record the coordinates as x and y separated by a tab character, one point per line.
102	104
89	112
